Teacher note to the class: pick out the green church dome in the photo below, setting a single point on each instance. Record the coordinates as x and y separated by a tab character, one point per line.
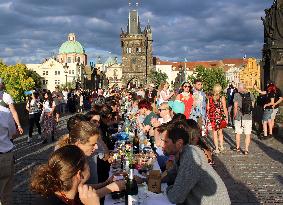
71	46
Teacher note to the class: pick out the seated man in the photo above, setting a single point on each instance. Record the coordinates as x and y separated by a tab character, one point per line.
192	180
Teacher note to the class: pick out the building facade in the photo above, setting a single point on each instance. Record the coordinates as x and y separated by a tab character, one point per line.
66	68
233	66
136	50
178	72
250	74
54	73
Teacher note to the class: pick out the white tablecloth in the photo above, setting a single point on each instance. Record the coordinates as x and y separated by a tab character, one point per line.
145	197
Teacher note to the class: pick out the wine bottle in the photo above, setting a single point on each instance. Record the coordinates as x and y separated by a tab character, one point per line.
136	143
131	196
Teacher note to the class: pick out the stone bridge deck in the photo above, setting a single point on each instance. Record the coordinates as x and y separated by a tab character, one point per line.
253	179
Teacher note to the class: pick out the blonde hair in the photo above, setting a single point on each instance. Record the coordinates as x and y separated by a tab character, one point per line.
161	86
217	89
81	132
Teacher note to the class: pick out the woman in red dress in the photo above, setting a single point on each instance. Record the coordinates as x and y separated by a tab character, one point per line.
187	98
217	115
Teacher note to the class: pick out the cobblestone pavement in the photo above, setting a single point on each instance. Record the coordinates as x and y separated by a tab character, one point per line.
253	179
256	178
29	155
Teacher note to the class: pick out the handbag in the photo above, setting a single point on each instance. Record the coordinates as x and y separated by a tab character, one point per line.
223	124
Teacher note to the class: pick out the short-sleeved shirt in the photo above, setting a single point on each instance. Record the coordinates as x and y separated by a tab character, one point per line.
240	116
7	99
46	106
147	119
58	97
269	96
7	130
278	95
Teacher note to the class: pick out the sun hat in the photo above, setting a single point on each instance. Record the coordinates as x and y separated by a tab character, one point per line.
177	106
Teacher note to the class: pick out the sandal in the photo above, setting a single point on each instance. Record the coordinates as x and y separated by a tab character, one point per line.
236	149
246	152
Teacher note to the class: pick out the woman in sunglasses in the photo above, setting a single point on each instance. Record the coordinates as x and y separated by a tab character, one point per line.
187	98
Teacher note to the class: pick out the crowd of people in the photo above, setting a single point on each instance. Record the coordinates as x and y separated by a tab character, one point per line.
176	121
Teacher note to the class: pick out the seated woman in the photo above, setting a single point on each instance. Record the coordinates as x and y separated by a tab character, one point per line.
61	180
85	136
145	109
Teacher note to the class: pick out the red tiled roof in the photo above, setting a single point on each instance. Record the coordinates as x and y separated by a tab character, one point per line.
235	61
190	65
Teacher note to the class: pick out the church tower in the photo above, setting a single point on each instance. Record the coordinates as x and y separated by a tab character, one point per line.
136	49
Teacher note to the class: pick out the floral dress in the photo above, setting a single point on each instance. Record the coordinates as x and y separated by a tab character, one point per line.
216	114
49	122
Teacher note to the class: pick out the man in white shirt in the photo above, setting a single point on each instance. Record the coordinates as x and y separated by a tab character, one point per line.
7	131
7	105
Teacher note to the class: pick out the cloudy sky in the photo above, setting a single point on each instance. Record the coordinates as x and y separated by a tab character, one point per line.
31	30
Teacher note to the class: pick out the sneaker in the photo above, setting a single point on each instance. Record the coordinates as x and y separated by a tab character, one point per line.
28	140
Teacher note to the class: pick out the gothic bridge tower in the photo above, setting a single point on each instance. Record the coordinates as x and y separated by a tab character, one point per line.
136	47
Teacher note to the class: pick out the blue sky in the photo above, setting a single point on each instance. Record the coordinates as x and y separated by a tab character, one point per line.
31	30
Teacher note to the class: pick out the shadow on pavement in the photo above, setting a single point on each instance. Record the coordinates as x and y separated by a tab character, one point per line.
279	179
229	140
269	151
239	193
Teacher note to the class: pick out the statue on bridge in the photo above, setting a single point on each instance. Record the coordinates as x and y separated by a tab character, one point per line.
273	43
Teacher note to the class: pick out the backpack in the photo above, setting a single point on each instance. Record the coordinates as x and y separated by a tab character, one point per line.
247	106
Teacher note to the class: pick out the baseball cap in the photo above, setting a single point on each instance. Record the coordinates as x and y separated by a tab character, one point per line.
177	106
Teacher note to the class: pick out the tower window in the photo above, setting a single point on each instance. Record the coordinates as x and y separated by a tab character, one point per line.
69	59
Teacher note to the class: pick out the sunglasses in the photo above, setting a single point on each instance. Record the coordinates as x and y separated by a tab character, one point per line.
161	109
186	86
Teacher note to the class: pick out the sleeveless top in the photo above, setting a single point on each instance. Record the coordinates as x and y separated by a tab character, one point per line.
165	93
34	106
188	104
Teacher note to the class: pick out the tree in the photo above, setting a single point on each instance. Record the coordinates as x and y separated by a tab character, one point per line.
16	80
157	77
36	78
209	77
70	85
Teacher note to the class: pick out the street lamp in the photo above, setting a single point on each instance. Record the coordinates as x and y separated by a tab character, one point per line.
66	71
85	78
